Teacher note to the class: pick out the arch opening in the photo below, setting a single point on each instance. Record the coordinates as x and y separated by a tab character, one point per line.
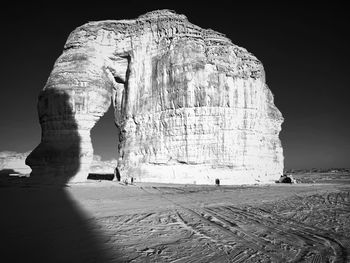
104	139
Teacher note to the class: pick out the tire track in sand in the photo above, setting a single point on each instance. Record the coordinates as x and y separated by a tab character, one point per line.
249	245
258	234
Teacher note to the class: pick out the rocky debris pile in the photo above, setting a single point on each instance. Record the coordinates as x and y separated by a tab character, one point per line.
286	179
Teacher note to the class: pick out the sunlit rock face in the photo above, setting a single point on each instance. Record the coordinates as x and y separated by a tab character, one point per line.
13	162
191	106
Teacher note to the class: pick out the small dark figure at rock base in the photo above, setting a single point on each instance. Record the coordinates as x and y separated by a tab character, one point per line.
117	174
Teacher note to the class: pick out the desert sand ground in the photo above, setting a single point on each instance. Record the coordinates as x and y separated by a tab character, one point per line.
111	222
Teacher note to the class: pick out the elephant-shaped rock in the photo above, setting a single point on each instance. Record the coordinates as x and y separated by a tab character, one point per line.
191	106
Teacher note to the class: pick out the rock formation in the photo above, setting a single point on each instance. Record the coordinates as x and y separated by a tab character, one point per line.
14	161
191	106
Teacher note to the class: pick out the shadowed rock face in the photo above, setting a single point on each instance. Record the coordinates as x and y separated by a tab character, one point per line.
64	151
190	105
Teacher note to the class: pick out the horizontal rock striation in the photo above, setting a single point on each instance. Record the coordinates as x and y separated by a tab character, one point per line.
191	106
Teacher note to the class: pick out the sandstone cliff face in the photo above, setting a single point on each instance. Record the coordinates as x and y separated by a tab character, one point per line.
191	106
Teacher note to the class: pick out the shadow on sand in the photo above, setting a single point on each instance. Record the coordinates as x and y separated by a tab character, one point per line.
39	220
7	172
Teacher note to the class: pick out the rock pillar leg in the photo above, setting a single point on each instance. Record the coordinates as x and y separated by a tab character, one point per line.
57	157
65	152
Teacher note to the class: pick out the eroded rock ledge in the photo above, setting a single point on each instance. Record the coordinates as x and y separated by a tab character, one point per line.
191	106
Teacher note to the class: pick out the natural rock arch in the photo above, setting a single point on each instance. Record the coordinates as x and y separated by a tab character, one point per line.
190	105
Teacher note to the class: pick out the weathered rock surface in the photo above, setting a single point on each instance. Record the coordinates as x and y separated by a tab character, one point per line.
14	161
191	106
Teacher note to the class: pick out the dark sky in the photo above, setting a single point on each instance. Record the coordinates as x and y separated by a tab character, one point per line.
304	49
